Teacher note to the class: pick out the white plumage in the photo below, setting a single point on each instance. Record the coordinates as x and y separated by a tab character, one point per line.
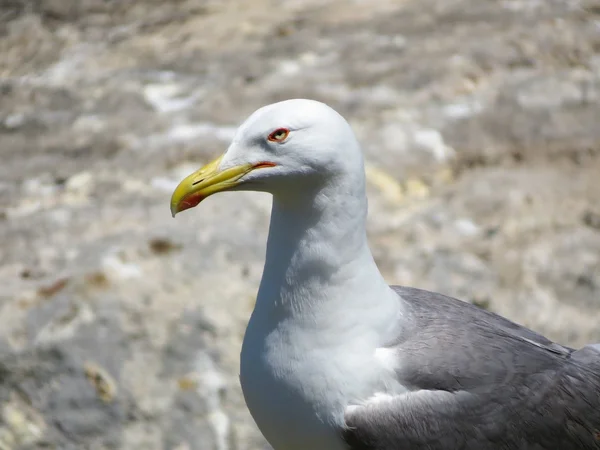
334	358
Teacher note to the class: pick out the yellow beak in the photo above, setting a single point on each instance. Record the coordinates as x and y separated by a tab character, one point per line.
206	181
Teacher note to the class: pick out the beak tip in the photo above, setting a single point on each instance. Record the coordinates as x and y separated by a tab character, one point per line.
174	210
205	182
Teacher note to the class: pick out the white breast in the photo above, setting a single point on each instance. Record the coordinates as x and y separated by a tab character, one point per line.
275	379
297	393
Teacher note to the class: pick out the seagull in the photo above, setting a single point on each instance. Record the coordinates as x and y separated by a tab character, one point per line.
334	358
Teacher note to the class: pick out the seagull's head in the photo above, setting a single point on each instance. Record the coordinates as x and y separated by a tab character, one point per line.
283	147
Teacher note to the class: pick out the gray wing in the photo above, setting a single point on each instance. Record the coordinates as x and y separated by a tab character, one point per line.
479	381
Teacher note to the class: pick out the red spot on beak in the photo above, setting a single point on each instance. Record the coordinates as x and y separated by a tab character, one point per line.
190	201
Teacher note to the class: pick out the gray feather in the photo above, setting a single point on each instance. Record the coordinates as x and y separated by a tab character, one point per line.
478	382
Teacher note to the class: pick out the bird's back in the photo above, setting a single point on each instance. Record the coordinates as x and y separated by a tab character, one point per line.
479	381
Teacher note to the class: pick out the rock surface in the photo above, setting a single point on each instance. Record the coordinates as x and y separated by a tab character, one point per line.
120	328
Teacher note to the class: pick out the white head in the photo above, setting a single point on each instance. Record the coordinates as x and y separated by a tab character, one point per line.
280	148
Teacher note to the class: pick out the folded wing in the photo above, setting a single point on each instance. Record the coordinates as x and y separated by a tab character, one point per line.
478	381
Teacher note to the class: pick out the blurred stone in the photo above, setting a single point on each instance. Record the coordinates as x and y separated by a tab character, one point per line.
80	182
592	219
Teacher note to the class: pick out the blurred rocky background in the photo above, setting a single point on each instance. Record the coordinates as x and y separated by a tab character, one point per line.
120	328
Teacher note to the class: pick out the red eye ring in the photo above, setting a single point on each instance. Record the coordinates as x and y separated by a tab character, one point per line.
279	135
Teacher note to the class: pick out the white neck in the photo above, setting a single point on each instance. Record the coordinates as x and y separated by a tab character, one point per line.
318	258
322	310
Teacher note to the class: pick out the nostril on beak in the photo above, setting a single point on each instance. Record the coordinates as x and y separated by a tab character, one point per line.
197	181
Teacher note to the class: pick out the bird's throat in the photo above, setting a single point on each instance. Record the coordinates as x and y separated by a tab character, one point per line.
318	255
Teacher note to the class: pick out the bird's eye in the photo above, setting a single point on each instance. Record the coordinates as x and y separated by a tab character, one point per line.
279	135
